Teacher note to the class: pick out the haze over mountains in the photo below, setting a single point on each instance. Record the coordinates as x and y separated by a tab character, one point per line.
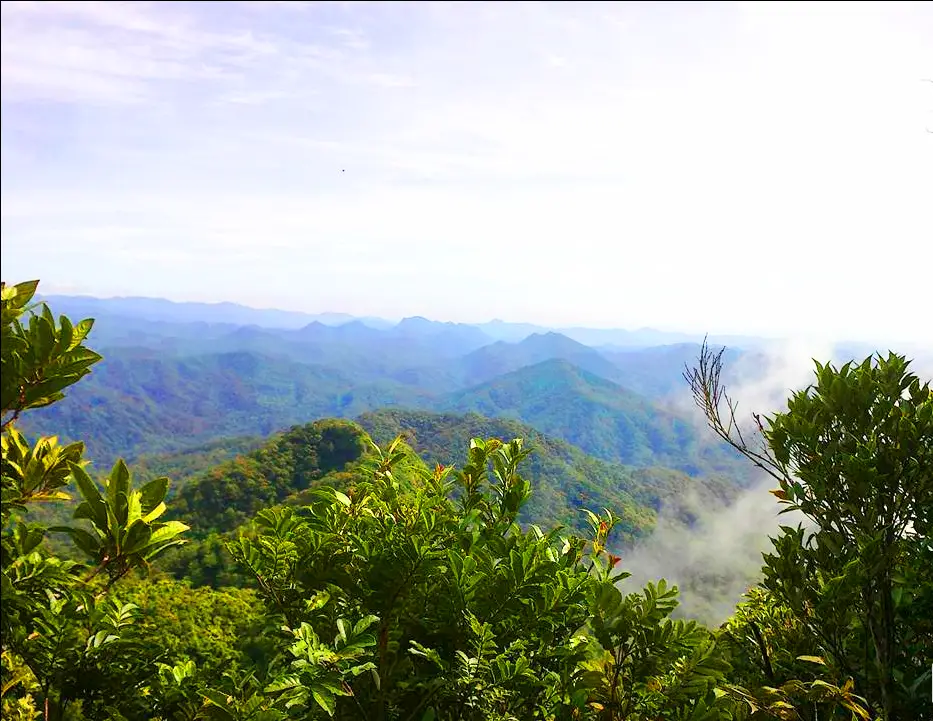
160	310
176	375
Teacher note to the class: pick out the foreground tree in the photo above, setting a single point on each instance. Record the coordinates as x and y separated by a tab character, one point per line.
854	453
64	635
418	596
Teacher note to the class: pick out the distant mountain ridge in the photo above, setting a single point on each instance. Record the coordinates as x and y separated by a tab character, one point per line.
501	357
143	401
163	310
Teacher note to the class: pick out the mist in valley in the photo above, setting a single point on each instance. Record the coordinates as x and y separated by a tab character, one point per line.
714	553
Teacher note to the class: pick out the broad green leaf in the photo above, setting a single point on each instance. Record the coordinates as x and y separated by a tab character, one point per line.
82	329
66	334
138	537
153	493
121	511
155	513
118	482
167	532
82	539
97	509
134	511
325	698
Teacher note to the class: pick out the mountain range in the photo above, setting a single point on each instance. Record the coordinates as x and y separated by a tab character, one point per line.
166	313
186	386
143	400
244	408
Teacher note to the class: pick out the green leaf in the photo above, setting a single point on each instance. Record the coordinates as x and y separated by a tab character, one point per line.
155	513
121	510
85	541
21	293
95	502
119	482
82	329
137	537
66	334
220	700
153	493
363	624
285	683
153	550
325	698
167	532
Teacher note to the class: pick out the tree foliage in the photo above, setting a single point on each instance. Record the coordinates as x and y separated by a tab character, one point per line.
64	636
853	453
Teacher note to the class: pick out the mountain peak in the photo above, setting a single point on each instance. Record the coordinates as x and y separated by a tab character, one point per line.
314	326
415	320
554	340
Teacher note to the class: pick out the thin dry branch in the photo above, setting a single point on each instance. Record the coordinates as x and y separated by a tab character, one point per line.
709	395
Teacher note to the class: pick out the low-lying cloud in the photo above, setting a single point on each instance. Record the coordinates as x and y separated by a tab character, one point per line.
715	558
716	555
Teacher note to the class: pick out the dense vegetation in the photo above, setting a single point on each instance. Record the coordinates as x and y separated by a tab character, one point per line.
144	402
566	479
597	415
381	586
171	393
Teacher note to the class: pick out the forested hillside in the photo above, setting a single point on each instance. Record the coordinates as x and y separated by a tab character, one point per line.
144	400
410	565
566	479
220	486
599	416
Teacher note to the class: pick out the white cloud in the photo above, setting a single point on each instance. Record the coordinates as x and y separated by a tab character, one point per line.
753	167
714	560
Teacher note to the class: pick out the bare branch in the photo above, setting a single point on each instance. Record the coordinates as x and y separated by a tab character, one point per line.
709	394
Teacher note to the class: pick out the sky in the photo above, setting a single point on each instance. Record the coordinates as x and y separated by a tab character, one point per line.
739	167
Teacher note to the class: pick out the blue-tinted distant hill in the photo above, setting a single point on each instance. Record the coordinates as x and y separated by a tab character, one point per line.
234	314
657	372
496	359
367	353
168	385
143	401
613	339
160	309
